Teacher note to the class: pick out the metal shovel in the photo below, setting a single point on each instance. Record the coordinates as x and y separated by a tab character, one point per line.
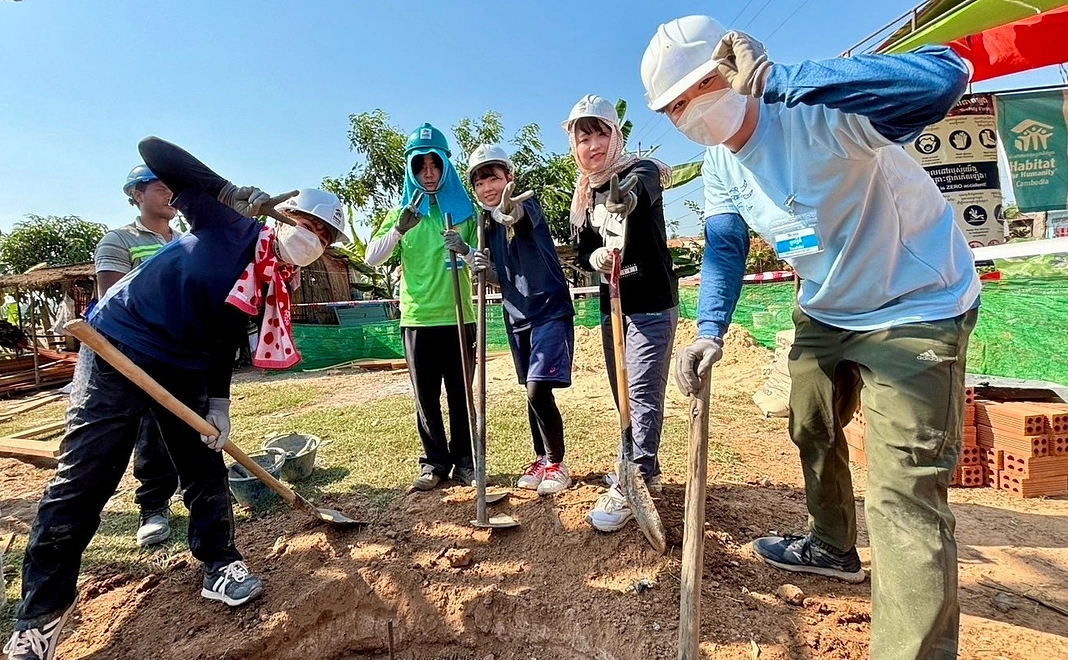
478	420
102	347
638	497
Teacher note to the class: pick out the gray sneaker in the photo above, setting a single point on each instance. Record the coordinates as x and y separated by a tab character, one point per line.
155	527
427	480
801	555
232	584
465	474
37	643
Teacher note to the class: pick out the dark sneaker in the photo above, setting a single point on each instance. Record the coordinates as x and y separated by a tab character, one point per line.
37	643
465	474
800	555
427	480
232	584
155	527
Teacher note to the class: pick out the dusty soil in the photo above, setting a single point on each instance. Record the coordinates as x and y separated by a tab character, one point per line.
554	588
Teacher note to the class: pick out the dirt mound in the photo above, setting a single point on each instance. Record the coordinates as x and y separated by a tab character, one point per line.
551	589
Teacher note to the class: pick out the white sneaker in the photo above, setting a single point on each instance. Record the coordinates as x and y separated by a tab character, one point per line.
611	512
532	477
37	643
557	478
655	485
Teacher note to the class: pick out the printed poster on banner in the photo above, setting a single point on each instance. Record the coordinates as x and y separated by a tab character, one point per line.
1034	129
960	155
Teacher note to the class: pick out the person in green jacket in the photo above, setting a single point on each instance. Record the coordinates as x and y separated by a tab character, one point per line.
432	346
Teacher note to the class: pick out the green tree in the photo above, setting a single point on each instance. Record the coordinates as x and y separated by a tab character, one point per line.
54	240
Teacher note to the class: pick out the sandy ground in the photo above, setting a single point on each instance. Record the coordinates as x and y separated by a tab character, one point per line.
555	588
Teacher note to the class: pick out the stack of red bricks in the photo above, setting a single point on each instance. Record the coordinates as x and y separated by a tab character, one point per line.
1018	447
1024	446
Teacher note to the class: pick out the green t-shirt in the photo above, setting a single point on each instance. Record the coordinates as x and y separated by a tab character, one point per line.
426	288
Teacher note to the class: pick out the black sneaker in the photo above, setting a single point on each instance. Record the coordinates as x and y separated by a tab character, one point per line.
800	555
37	643
232	584
465	474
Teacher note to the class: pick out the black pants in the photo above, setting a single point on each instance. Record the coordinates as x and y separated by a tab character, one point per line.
102	424
433	357
153	468
546	424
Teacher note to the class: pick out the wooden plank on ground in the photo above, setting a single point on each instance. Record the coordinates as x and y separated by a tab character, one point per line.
38	448
44	429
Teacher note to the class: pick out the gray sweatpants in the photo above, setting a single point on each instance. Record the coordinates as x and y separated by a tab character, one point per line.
648	341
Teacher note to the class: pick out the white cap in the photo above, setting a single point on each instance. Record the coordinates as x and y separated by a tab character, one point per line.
592	106
485	154
323	205
678	56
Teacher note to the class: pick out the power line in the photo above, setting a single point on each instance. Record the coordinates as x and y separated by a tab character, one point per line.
756	15
786	20
731	22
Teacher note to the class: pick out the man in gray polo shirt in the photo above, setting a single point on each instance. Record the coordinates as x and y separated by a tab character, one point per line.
119	252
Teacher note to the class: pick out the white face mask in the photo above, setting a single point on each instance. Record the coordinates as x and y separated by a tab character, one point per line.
713	118
297	245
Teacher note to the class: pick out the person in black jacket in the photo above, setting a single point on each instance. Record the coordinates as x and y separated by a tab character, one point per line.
176	316
618	206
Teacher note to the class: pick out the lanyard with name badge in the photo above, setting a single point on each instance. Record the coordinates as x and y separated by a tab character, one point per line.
795	235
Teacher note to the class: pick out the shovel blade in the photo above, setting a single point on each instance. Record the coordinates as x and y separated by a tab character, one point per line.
338	519
499	521
642	506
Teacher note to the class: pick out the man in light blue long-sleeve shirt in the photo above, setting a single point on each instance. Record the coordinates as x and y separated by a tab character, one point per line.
808	156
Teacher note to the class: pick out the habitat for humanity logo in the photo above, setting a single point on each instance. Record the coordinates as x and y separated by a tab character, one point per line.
1032	135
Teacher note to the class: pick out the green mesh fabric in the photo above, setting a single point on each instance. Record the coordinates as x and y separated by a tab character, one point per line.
1021	333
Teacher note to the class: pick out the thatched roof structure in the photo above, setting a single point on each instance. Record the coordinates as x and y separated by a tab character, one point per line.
46	277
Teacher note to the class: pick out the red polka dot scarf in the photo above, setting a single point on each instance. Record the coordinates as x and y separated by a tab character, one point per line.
276	349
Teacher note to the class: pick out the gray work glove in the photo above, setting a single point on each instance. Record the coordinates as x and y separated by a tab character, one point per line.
219	417
482	261
601	260
410	216
693	363
510	210
250	201
454	243
621	196
745	65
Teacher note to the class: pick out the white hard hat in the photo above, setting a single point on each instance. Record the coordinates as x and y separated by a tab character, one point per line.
679	55
592	106
485	154
323	205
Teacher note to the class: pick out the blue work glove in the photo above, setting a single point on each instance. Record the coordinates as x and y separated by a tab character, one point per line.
219	417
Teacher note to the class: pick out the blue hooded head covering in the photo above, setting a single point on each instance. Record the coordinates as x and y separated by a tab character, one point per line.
451	196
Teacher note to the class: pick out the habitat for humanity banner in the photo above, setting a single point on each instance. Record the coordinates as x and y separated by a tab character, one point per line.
1034	130
960	154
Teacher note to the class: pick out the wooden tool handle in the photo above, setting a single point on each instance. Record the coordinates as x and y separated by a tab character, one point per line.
693	537
619	345
124	365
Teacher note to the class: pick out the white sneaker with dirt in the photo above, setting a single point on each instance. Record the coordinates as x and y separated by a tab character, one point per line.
533	475
557	478
37	643
611	512
655	485
426	480
232	584
155	528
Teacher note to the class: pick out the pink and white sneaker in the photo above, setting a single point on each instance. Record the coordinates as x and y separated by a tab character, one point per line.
556	479
532	477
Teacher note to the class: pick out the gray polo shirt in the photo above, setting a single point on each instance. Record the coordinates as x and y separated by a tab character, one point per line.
123	249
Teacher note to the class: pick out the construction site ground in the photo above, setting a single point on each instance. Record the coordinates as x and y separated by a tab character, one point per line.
551	589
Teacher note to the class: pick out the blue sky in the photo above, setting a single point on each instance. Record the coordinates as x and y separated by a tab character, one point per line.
261	91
